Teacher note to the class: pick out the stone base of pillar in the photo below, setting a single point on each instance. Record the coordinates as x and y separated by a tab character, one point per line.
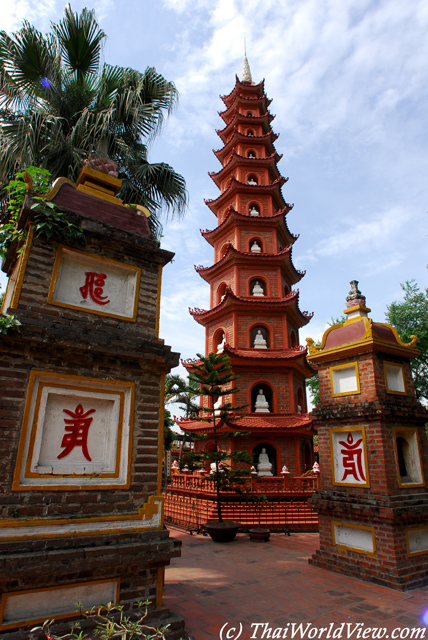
384	541
43	579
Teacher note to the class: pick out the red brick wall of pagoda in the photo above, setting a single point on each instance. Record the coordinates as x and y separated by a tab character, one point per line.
269	278
274	324
276	381
266	240
262	201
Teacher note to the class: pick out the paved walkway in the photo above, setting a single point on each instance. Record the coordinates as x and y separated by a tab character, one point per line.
243	584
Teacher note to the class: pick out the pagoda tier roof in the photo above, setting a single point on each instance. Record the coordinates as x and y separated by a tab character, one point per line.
249	101
278	218
267	139
254	422
253	304
270	358
243	88
232	254
274	188
241	118
266	354
237	159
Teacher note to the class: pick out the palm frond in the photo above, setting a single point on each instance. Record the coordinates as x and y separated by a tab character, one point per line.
26	60
57	108
162	185
80	38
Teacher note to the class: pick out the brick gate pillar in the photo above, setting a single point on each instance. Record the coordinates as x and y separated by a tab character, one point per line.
81	421
373	502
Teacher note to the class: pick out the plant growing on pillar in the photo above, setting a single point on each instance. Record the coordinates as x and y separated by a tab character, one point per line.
215	376
46	219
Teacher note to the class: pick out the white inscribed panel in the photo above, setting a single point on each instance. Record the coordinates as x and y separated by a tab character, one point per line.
49	603
395	378
90	283
354	538
345	380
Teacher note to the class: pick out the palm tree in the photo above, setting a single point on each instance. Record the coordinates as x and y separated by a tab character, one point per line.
58	106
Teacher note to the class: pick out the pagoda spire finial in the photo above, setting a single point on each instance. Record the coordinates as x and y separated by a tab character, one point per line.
246	73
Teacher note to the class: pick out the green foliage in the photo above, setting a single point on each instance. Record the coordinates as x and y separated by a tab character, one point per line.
9	323
410	317
313	384
59	105
47	220
337	320
168	434
110	623
214	376
183	392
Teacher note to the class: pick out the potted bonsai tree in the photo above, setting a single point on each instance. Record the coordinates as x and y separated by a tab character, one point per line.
259	502
214	374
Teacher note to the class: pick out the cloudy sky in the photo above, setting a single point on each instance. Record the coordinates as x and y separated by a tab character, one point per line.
349	83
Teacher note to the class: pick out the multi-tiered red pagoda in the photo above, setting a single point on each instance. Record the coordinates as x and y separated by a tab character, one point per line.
254	314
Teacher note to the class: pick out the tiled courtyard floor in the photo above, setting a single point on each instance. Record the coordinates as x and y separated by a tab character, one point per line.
245	583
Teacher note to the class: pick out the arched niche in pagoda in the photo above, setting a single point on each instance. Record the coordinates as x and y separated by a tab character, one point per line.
255	242
251	153
258	287
256	330
252	179
254	209
308	456
209	447
300	401
272	452
267	392
293	339
250	132
219	338
221	292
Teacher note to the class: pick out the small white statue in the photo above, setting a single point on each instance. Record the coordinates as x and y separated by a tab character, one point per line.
259	341
218	405
254	211
251	155
220	347
262	405
252	181
257	289
264	466
255	247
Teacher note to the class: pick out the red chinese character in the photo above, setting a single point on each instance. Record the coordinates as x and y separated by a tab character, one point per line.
94	286
78	427
352	458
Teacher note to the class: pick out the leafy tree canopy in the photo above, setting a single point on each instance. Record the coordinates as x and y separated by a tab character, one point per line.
410	317
59	105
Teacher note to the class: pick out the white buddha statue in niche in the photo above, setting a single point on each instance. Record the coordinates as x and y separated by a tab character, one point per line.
252	181
255	247
261	405
220	347
217	406
264	466
259	341
254	211
257	289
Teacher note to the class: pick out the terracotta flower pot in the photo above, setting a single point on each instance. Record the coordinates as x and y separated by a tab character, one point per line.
222	530
259	535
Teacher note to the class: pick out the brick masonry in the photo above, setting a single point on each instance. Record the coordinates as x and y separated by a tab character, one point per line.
74	342
386	508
